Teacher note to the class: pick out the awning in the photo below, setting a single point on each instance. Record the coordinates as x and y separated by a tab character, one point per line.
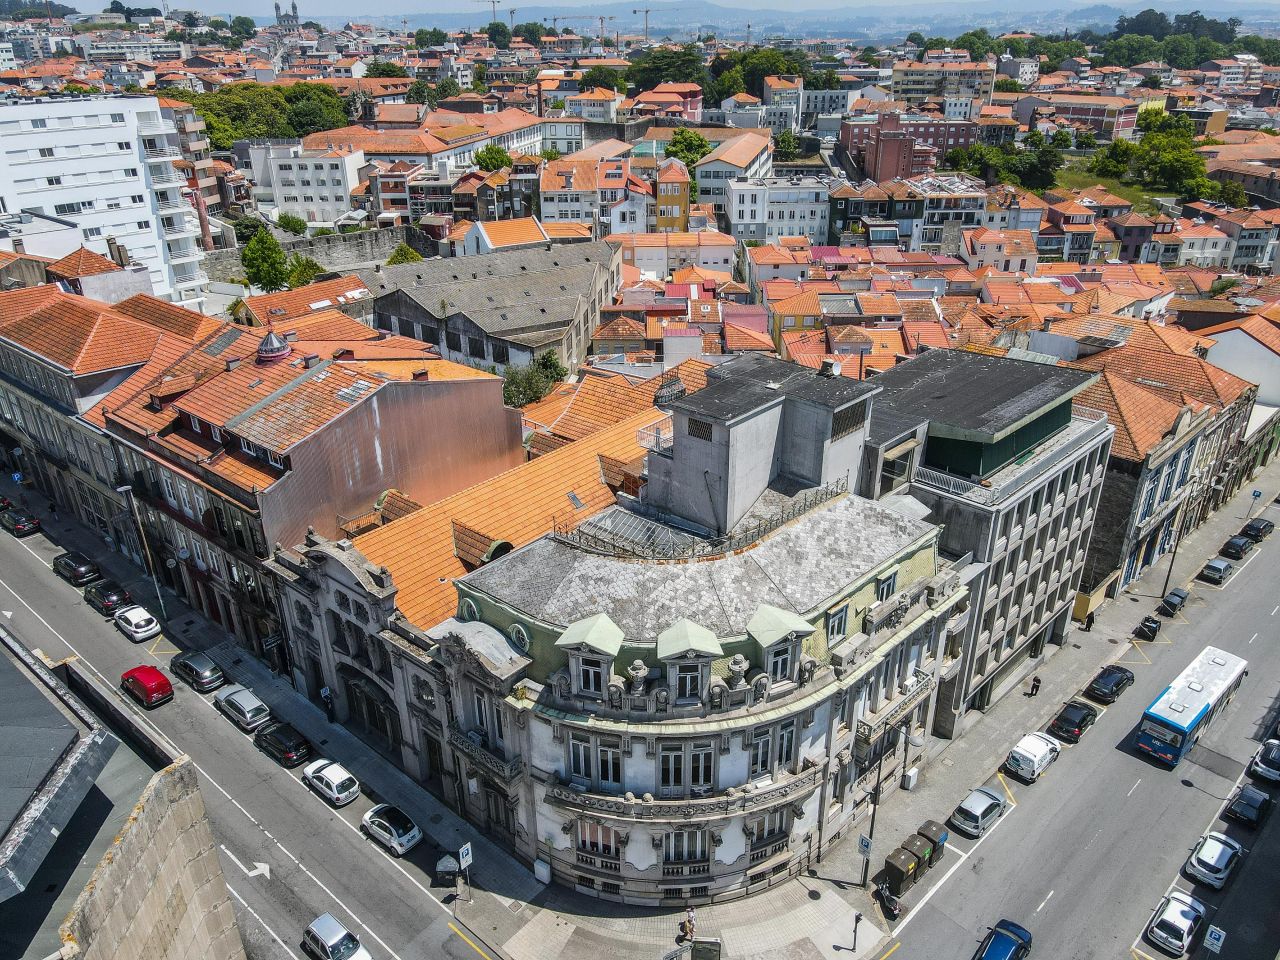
893	453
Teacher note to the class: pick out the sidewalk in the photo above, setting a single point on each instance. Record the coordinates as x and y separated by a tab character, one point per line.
811	917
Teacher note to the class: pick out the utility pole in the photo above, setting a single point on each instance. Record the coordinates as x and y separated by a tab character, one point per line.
1188	506
645	11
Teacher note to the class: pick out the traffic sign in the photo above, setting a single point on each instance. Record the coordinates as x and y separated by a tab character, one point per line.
16	477
864	845
1215	938
1257	494
464	856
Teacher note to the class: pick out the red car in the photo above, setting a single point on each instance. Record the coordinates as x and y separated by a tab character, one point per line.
147	685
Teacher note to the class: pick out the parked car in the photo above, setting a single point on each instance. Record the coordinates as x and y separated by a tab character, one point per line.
283	743
1110	682
198	670
19	523
107	596
1237	548
332	781
1032	756
1213	859
391	827
1072	721
147	685
1266	762
978	812
245	710
1147	629
1257	529
76	568
136	624
1006	941
1249	806
1175	923
1174	601
1217	571
327	939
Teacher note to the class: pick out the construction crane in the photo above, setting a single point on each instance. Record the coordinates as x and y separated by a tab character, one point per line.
602	33
494	5
511	13
645	11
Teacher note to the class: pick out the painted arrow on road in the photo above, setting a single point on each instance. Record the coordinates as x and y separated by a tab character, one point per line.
259	869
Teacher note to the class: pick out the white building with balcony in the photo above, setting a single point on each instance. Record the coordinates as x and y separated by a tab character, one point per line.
312	184
765	208
105	165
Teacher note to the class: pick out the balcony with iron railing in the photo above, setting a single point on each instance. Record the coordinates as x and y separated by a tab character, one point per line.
914	691
593	860
474	745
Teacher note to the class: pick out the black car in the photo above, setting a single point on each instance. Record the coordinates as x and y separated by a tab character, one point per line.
1257	529
1073	720
1173	601
282	742
107	596
76	568
1109	684
1249	806
1147	629
19	523
1236	548
198	670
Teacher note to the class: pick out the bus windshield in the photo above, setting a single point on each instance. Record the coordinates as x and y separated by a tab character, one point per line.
1161	732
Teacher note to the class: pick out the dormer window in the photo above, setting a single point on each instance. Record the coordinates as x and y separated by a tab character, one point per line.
195	422
886	587
689	681
591	676
592	644
780	662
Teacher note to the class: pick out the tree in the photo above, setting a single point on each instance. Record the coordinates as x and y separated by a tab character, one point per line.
492	157
825	80
246	228
264	262
446	88
549	365
1148	23
1061	139
532	32
381	69
244	111
292	224
916	37
313	107
549	154
1151	82
243	27
601	77
499	34
664	65
419	92
302	270
1232	194
1085	140
1115	160
403	253
524	385
688	146
1007	85
731	82
434	37
786	147
217	23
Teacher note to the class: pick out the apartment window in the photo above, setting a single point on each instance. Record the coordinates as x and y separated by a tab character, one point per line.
117	118
671	770
215	433
136	198
53	181
599	839
591	675
848	420
124	145
501	353
688	681
39	124
684	846
786	744
609	762
768	826
761	753
91	233
144	224
580	756
453	341
46	152
131	172
837	623
780	662
482	715
886	587
475	347
195	423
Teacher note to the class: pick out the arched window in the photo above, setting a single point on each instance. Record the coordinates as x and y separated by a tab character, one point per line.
467	611
519	636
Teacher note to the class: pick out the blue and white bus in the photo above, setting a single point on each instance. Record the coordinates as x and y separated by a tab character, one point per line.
1177	718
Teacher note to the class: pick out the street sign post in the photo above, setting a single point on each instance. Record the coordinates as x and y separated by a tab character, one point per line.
864	845
1214	939
464	861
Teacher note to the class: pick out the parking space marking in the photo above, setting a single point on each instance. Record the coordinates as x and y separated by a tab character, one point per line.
1044	901
168	648
1007	792
262	923
467	941
888	953
1273	612
964	855
1133	788
1145	661
1253	638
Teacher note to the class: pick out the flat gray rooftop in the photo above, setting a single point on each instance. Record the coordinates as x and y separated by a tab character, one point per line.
797	568
752	380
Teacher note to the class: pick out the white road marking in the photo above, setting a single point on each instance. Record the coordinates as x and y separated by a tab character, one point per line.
1133	788
1273	612
897	932
1249	561
254	913
259	869
1044	901
1253	638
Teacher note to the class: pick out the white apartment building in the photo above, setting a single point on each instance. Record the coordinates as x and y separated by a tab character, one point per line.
314	185
814	103
7	60
563	134
105	165
747	155
764	208
99	48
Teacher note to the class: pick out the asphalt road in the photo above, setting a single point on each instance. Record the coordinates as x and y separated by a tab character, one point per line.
316	860
1089	850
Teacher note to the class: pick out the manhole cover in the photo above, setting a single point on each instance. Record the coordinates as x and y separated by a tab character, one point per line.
514	908
1075	646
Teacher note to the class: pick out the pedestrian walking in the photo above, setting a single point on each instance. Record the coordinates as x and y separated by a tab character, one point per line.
1088	622
1035	685
690	922
53	509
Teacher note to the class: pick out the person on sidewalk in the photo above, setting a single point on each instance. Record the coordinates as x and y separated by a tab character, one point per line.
1035	685
1088	622
53	509
690	922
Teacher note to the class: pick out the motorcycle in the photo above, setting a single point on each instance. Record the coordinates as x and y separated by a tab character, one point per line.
892	905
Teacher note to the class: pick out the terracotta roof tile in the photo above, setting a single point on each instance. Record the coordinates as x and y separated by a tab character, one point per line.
1140	416
82	263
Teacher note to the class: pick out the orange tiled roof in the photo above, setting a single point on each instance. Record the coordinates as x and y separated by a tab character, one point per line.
1140	416
82	263
81	336
738	338
288	304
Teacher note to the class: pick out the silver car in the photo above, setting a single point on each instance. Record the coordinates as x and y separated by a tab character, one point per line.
1213	859
1266	762
328	939
1175	923
245	710
978	812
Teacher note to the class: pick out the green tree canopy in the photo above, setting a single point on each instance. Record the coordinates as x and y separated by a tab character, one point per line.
598	76
532	32
302	270
492	157
688	146
524	385
499	34
434	37
381	69
419	92
664	65
264	262
446	88
292	224
403	253
243	27
1007	85
786	147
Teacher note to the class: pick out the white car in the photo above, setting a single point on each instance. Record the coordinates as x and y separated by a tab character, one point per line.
391	827
332	781
1032	756
1213	859
136	624
1175	923
1266	762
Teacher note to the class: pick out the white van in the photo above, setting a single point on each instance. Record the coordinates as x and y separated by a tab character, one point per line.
1032	756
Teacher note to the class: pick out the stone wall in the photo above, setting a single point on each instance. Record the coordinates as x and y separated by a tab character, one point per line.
339	251
158	892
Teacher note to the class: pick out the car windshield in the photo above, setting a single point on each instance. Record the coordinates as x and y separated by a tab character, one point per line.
396	820
1271	754
258	711
345	784
1169	929
142	621
344	948
1244	806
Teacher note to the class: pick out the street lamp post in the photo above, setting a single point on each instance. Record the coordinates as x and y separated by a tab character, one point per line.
127	490
871	828
1196	493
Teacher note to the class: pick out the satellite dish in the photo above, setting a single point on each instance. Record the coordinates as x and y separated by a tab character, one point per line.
835	368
